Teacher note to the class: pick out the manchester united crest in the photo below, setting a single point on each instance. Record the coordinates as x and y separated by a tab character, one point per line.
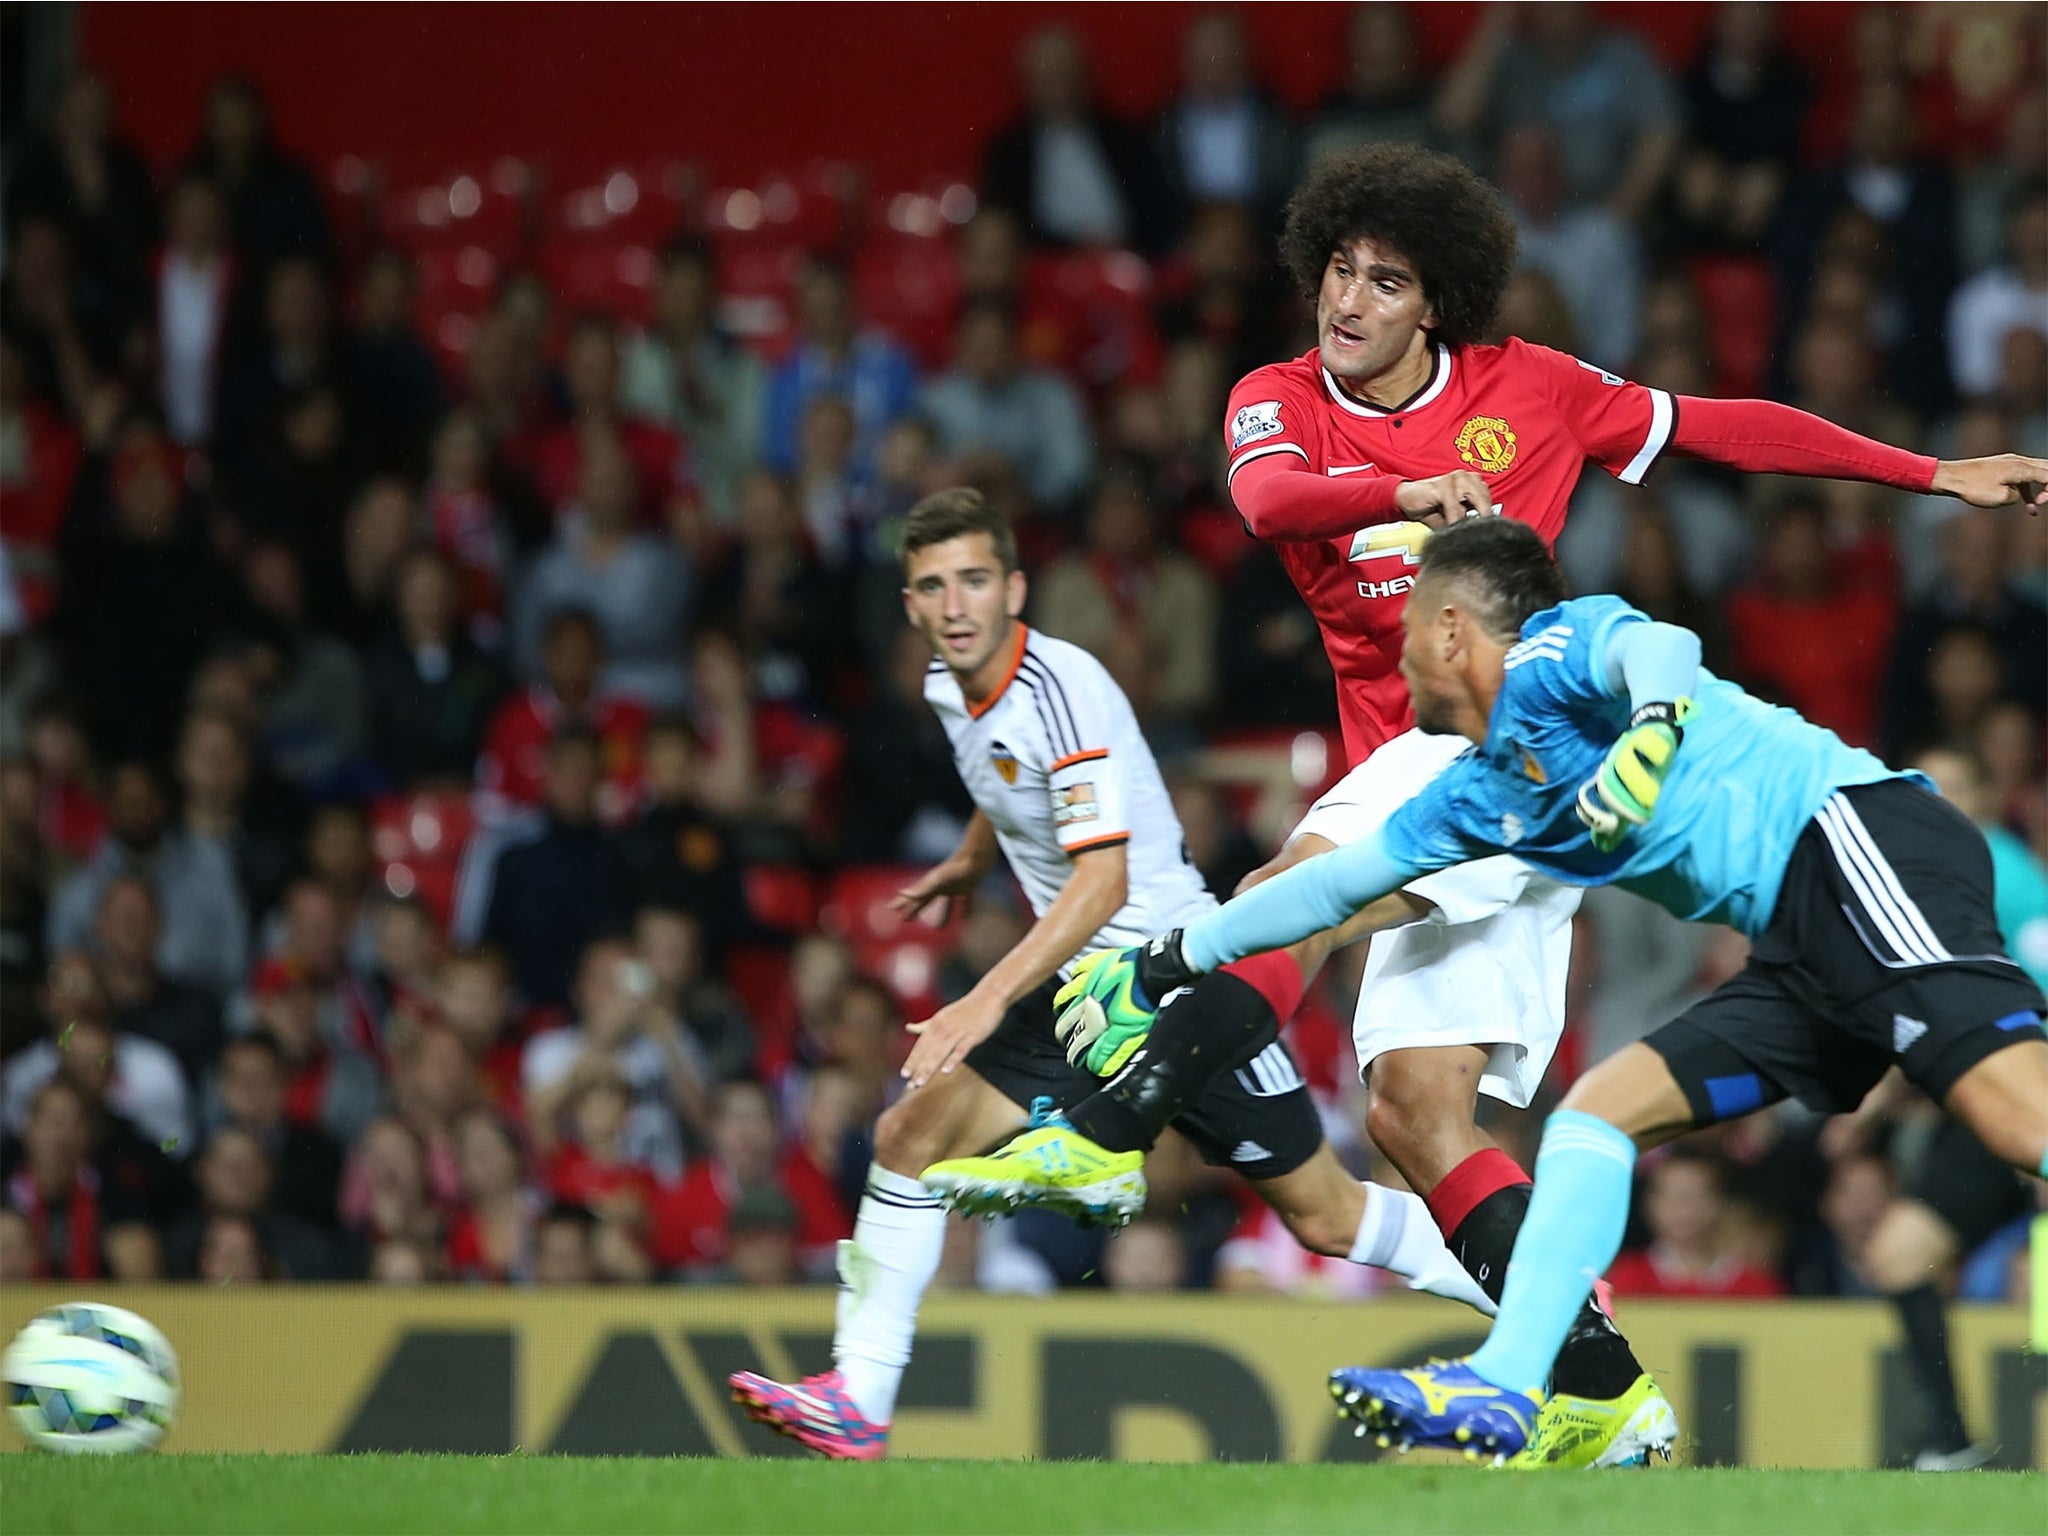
1488	443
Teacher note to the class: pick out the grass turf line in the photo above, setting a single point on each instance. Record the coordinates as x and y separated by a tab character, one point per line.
222	1495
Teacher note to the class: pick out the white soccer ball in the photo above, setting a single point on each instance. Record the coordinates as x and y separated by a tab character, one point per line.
91	1378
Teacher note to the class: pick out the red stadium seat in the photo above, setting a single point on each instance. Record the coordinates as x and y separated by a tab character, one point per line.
909	286
782	896
614	276
904	954
627	204
1740	298
417	841
1102	301
489	208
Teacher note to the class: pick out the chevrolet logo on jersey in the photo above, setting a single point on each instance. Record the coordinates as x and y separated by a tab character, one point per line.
1005	762
1488	443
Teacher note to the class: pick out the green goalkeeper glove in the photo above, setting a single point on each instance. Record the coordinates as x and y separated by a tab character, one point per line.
1624	792
1105	1010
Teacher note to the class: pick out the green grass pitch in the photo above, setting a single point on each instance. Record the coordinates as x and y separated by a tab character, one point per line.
615	1497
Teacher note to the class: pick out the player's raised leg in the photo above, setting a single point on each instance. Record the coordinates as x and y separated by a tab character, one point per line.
884	1271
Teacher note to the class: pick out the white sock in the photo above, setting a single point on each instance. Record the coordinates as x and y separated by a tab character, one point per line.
1398	1234
883	1273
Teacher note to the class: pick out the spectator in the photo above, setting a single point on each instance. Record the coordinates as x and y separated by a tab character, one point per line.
691	1229
1275	671
1075	174
407	965
590	1166
236	1181
132	1077
679	853
433	1080
334	1086
80	1226
669	941
564	884
590	377
620	1031
1686	1209
381	524
1146	610
1988	188
1216	843
205	942
1229	301
250	1089
774	595
388	367
836	511
1592	256
1651	576
493	1234
1909	203
1598	90
472	1000
195	284
1384	94
511	771
291	349
78	172
385	1196
432	692
1859	1188
2008	297
1803	635
562	1247
136	572
1221	140
17	1248
24	887
1745	101
145	1003
835	358
313	721
761	1240
298	489
899	770
470	519
2019	878
1145	1256
686	373
250	816
1032	419
274	205
231	1252
37	475
1972	594
639	588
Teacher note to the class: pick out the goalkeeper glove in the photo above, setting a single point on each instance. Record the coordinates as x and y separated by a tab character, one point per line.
1624	792
1105	1010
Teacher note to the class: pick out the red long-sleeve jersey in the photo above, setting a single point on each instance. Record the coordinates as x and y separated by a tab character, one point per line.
1312	470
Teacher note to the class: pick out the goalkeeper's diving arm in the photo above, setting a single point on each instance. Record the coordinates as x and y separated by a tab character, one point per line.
1318	893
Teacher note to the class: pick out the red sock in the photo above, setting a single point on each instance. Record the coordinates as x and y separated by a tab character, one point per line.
1460	1192
1275	977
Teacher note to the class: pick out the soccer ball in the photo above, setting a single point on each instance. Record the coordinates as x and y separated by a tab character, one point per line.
92	1378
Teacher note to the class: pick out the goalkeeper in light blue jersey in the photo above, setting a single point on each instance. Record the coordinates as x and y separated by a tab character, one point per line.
1604	754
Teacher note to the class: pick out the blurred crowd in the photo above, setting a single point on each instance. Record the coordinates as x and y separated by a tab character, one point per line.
458	735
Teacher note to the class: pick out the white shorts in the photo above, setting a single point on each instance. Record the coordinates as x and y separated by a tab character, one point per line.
1487	968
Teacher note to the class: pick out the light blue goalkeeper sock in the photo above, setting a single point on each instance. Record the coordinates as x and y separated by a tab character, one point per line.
1577	1214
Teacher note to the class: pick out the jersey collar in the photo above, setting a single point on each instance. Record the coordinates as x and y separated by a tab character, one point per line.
1438	381
976	711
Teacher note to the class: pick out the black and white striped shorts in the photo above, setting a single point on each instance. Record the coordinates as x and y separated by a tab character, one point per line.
1884	948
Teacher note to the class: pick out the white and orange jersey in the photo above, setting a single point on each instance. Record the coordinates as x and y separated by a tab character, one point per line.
1055	760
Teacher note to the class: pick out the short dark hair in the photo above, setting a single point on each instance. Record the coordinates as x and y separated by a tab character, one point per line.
954	514
1434	210
1504	563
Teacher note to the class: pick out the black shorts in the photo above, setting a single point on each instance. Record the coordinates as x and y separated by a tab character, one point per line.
1257	1119
1968	1186
1883	949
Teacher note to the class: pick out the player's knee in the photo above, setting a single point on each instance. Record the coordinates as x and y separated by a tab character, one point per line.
1908	1247
910	1135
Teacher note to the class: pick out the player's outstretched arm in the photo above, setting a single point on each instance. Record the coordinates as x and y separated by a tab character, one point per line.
1284	502
1764	437
1657	667
1318	893
952	882
1091	897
